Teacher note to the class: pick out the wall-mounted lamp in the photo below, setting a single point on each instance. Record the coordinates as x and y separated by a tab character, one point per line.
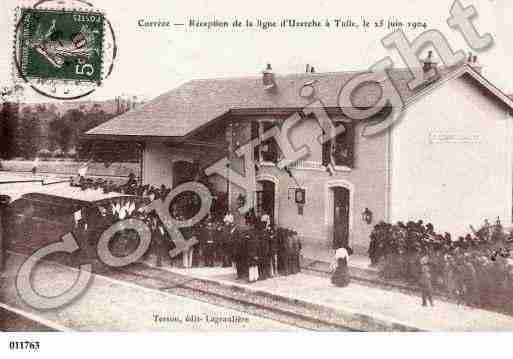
300	197
367	216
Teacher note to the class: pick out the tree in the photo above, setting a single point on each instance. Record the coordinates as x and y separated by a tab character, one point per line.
10	97
9	129
60	133
28	133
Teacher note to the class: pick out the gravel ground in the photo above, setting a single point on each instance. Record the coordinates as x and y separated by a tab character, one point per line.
116	305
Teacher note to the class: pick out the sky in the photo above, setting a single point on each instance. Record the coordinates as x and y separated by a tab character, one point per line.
155	60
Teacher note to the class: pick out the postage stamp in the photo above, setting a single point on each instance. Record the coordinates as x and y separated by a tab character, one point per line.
65	45
63	49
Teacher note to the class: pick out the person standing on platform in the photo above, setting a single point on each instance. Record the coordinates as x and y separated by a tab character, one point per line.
203	230
297	254
253	257
450	280
224	245
188	255
196	253
291	253
233	235
131	185
81	234
470	281
273	252
237	253
188	234
210	243
264	258
340	277
251	218
227	243
242	254
157	240
219	242
284	252
426	284
265	221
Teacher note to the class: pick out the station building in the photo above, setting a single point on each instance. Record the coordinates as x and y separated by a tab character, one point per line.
448	160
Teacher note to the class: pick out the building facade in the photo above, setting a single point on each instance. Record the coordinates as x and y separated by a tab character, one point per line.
447	160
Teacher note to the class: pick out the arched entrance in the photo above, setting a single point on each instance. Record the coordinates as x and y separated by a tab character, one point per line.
266	197
339	214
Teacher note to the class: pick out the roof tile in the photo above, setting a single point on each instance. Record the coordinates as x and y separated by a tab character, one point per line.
195	103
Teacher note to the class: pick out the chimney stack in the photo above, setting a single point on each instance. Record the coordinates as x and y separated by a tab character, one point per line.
268	78
474	63
430	68
429	63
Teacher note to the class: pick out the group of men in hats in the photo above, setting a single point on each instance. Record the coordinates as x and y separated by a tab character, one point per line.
255	252
475	269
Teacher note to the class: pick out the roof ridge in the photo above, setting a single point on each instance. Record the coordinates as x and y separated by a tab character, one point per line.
304	74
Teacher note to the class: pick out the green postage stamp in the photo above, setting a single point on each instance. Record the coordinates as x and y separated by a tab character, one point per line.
61	45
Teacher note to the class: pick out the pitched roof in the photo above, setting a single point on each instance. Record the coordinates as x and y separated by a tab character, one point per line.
182	110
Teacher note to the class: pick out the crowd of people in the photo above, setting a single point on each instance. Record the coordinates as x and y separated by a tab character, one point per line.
130	187
256	250
475	269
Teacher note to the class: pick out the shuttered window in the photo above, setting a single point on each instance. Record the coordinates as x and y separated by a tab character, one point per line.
340	150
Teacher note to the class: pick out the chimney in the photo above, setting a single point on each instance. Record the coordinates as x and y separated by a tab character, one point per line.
429	63
472	62
430	68
268	78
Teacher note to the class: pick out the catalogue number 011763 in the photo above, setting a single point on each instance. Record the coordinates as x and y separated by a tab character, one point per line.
24	345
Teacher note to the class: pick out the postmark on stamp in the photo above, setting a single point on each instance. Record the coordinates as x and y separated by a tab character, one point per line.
63	45
63	49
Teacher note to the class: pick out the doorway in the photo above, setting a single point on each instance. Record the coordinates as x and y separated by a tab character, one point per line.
341	197
265	199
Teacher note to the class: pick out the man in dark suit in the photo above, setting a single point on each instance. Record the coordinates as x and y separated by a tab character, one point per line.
296	253
273	252
241	256
425	282
264	262
285	252
253	256
233	235
224	247
210	231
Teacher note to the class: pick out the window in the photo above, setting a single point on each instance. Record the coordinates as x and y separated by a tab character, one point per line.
267	151
340	150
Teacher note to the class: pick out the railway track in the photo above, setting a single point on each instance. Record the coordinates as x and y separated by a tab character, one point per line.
16	320
301	315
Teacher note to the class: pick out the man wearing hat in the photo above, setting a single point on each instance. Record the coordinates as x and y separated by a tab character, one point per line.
426	285
241	253
253	256
210	231
273	252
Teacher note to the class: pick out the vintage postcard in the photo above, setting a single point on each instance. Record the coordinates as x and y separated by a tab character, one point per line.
256	166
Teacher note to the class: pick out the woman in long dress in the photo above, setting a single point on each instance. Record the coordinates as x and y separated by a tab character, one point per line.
340	277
